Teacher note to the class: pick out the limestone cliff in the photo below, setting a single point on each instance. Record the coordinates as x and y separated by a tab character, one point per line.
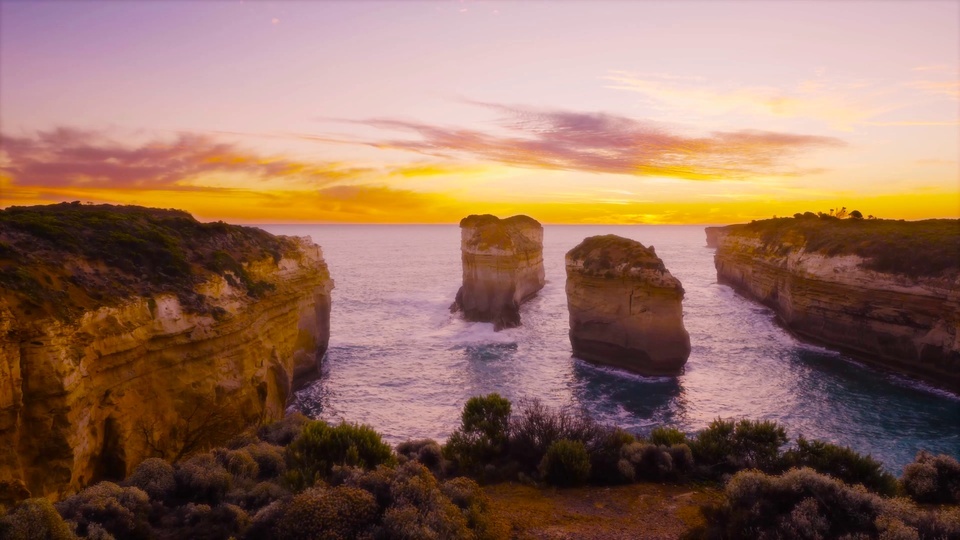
502	267
886	292
625	307
107	357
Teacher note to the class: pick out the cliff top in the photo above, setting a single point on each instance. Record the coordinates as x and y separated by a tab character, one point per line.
611	255
62	258
491	232
927	248
477	220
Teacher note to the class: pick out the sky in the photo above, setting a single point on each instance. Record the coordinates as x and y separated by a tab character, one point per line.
423	112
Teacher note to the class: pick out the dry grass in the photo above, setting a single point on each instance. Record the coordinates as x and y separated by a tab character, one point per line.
630	511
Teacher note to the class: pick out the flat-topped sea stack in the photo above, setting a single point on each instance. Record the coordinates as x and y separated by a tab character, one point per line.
883	291
130	332
625	307
502	267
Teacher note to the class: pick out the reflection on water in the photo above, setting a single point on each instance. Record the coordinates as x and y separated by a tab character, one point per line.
398	359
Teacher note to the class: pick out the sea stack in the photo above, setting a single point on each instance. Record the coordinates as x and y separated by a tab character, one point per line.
625	307
502	267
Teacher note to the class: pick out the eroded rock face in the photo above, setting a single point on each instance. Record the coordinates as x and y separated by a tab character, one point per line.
90	396
625	307
502	267
908	324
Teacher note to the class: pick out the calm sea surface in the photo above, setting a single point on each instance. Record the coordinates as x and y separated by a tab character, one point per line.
399	361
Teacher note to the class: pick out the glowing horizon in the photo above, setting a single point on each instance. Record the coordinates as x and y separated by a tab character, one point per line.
656	113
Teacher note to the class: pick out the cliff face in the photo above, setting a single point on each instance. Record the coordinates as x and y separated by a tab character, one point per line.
625	307
904	320
502	267
88	389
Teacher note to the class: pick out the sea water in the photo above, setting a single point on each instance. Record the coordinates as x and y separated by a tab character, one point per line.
401	362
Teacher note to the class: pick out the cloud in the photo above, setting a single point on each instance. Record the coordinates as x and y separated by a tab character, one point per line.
941	88
66	157
606	143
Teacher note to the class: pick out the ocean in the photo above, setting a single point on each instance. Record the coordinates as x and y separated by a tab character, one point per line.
401	362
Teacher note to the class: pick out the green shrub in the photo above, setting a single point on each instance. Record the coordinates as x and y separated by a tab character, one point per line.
666	436
727	446
802	503
841	463
266	520
932	479
566	463
203	522
122	511
155	477
34	519
418	508
258	496
320	446
202	479
482	436
340	513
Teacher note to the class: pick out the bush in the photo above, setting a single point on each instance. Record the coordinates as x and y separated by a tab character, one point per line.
424	451
418	509
258	496
34	519
202	522
805	504
605	456
155	477
655	462
265	521
666	436
566	463
202	479
483	433
269	458
339	513
728	446
841	463
535	427
239	463
475	506
283	431
932	479
122	511
320	446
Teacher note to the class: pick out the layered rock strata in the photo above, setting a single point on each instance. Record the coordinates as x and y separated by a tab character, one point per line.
905	318
502	267
625	307
88	393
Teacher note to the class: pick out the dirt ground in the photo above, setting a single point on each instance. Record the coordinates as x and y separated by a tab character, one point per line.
631	511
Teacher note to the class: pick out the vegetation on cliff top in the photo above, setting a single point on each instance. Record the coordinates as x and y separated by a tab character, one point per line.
603	255
927	248
60	258
308	479
489	231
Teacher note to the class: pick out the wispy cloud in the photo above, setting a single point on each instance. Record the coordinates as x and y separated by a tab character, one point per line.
839	104
607	143
943	88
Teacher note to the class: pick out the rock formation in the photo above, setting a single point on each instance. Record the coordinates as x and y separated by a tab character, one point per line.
625	307
882	291
502	267
100	369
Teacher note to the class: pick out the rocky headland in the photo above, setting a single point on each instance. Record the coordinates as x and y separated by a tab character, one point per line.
130	332
883	291
502	267
625	307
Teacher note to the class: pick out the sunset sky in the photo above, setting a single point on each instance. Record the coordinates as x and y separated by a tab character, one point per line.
571	112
